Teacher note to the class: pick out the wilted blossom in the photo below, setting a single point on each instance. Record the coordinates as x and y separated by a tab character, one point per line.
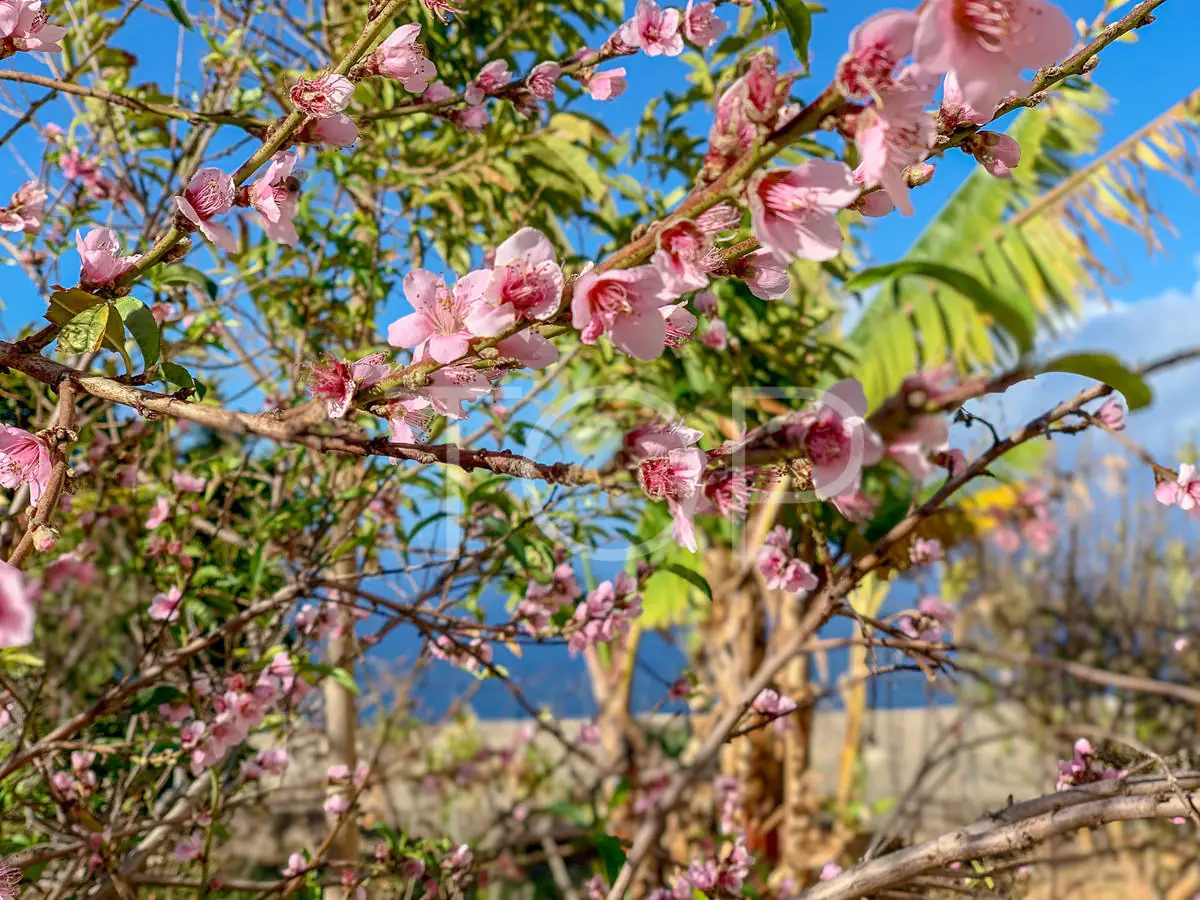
987	44
16	608
336	381
1111	414
793	210
322	97
24	459
1183	492
24	25
622	304
524	284
492	79
766	274
675	477
998	153
403	58
543	79
876	48
892	134
100	264
654	30
210	193
837	440
24	210
701	25
274	197
1083	768
437	326
604	85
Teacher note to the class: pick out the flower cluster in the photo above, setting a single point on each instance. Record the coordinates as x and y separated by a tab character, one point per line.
543	600
1029	520
24	210
711	875
780	567
25	26
606	614
934	616
1183	492
775	706
1083	768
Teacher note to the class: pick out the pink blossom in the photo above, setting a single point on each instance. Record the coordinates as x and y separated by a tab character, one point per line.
607	85
766	274
24	25
589	734
472	118
408	420
999	154
437	327
680	323
987	44
543	79
658	439
923	552
1112	415
624	305
159	513
893	133
675	477
1184	492
437	93
798	577
336	381
654	29
403	58
701	25
706	303
338	130
874	204
210	193
164	607
525	284
530	348
25	209
68	569
16	608
955	110
190	848
876	48
451	387
336	806
793	210
830	871
682	258
443	9
100	263
837	440
188	484
492	79
274	196
770	703
913	449
1006	539
24	459
716	336
323	96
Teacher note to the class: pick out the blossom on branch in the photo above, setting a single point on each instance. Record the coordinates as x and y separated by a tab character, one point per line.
402	57
607	85
876	48
893	134
322	97
837	440
492	79
100	264
16	608
210	193
437	328
793	210
701	25
656	31
24	459
274	197
24	210
524	284
622	304
337	380
25	25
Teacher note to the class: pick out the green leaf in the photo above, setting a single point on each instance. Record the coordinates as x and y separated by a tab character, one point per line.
691	575
1107	369
345	679
177	375
1005	314
85	332
66	305
179	13
140	322
180	274
612	854
798	18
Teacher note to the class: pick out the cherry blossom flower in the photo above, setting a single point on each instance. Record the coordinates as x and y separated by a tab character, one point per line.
437	93
530	348
589	734
675	476
680	323
190	848
187	483
403	58
543	79
408	419
336	806
24	25
274	196
716	336
770	702
874	204
830	871
793	210
525	284
927	436
999	154
437	327
1184	492
492	79
658	439
100	264
607	85
24	459
16	608
701	25
955	110
653	29
607	613
682	258
925	551
876	48
894	133
837	440
160	512
1112	415
210	193
338	130
323	96
706	303
165	606
472	118
766	274
622	304
336	381
25	209
987	44
451	387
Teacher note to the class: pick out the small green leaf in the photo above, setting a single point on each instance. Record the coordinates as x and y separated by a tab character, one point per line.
180	274
180	14
85	332
798	18
177	375
1107	369
140	322
612	854
1012	319
66	305
691	575
345	679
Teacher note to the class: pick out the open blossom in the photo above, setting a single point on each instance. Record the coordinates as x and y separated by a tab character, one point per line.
894	133
680	323
525	283
770	702
955	110
876	48
100	264
530	348
701	25
1183	492
1112	415
624	305
766	274
210	193
543	78
653	29
24	459
24	210
164	607
675	476
658	439
716	336
337	380
403	58
451	387
925	551
837	440
24	25
491	79
604	85
16	608
682	258
159	513
274	196
322	97
998	153
338	130
987	44
927	436
830	871
437	327
793	210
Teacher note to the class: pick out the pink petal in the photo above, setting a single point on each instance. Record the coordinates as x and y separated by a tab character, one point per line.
410	330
